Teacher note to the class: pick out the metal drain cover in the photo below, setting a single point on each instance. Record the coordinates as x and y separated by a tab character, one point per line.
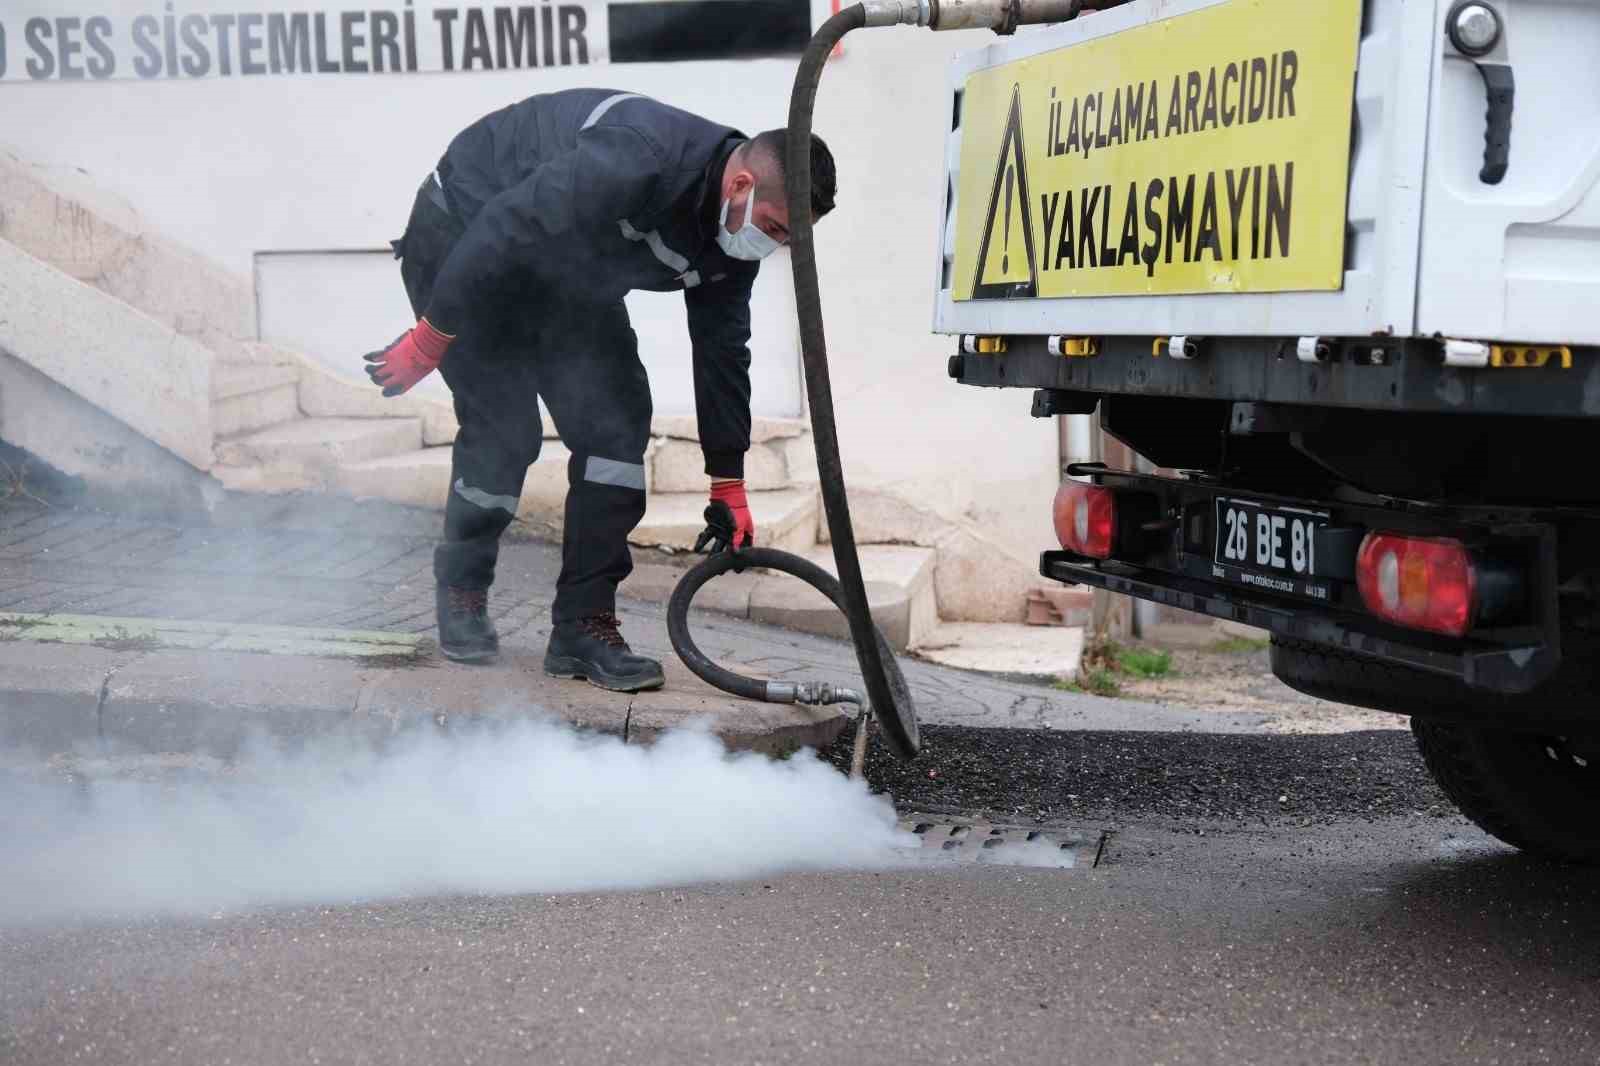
947	838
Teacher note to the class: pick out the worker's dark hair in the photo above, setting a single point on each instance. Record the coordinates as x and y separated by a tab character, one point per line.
773	146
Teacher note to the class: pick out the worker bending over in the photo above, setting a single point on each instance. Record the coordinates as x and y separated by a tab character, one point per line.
520	248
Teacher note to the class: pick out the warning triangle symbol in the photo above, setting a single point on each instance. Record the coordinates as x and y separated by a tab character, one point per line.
1007	268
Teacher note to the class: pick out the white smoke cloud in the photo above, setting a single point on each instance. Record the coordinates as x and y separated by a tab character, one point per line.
520	808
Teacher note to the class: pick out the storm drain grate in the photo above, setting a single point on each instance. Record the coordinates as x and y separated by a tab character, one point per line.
947	838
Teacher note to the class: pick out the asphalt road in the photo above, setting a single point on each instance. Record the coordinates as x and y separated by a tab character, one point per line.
1387	938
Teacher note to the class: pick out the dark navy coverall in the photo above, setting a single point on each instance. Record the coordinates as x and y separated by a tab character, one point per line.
539	219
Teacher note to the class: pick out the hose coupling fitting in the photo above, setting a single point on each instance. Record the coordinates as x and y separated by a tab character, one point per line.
1001	16
811	693
898	12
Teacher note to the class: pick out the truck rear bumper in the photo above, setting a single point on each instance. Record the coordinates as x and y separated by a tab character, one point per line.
1510	670
1174	562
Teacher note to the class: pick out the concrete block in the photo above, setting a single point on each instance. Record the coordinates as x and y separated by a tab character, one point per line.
879	516
255	410
262	481
514	687
908	568
50	695
418	479
421	478
62	218
118	467
679	466
800	460
1038	651
321	445
785	519
230	379
762	430
439	427
327	395
130	366
261	353
979	581
726	594
215	703
544	491
1059	606
900	594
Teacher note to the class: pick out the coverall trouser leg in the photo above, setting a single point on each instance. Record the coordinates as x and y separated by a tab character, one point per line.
585	364
583	359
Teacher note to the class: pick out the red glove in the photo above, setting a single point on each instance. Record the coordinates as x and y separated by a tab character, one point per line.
731	495
413	356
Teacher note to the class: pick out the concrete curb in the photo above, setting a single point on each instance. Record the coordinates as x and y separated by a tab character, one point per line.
60	698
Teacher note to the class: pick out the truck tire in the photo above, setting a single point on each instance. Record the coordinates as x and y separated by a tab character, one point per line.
1333	674
1539	794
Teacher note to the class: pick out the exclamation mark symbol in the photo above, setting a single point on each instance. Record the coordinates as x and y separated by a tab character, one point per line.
1005	258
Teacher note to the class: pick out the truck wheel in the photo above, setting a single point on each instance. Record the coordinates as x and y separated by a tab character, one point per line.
1539	794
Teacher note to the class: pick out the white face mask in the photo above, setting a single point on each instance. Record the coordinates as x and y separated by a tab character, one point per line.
749	242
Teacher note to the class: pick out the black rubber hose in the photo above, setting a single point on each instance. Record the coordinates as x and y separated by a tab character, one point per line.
759	559
886	690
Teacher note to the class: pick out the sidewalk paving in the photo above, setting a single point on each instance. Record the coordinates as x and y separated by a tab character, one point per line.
342	565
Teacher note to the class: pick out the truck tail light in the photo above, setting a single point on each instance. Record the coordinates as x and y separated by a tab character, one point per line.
1086	519
1419	582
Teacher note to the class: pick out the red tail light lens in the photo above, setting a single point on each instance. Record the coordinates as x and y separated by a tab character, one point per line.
1418	582
1086	519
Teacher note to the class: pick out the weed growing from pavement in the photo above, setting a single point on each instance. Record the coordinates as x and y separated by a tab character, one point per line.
15	483
1096	682
1103	667
1143	662
385	660
119	639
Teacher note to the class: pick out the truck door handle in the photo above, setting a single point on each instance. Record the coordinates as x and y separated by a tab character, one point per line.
1501	86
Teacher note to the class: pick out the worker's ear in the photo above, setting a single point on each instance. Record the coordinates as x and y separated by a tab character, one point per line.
743	181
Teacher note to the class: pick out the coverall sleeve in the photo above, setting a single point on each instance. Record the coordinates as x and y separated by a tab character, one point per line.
613	173
719	328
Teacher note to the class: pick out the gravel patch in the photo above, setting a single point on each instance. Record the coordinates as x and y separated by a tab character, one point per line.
1184	777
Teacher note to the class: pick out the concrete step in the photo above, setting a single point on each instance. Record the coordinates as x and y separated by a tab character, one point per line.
240	379
1005	648
680	466
250	411
786	519
322	445
762	429
422	479
324	394
261	480
900	594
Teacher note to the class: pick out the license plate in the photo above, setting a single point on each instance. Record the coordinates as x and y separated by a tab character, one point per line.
1269	548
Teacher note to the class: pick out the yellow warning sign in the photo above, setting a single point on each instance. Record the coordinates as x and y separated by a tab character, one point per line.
1202	153
1007	267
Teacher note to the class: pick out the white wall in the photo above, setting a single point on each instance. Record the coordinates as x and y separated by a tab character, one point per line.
233	167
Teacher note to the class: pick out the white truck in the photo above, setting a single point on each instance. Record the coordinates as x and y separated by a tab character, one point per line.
1335	266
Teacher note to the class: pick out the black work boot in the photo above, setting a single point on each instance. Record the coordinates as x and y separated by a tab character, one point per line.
466	634
593	649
